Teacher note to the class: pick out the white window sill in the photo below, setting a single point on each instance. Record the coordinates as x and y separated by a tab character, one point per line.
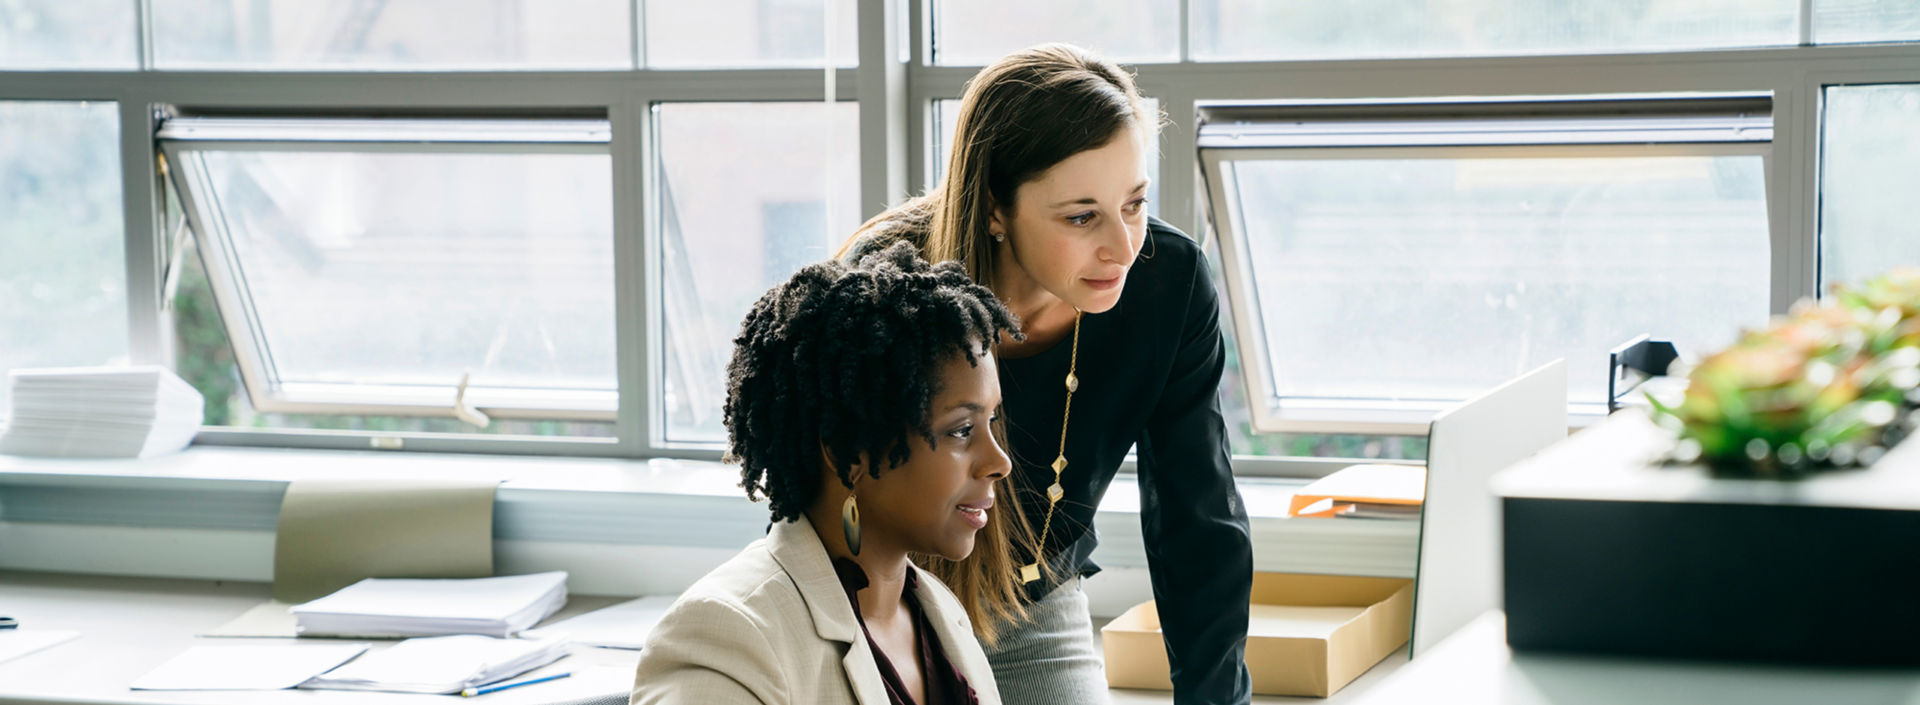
553	501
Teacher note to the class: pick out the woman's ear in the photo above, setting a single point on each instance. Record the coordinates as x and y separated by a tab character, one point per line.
854	473
997	219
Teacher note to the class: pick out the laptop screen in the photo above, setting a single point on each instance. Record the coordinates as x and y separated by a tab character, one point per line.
1458	574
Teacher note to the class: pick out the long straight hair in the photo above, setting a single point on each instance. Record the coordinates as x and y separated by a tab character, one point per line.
1019	117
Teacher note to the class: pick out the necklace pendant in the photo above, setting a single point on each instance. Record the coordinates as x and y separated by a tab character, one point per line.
1029	572
1055	492
1059	464
1073	382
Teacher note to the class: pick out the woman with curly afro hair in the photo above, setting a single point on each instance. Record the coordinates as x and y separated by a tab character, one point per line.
861	404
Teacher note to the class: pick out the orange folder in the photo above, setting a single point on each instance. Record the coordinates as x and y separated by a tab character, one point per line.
1403	486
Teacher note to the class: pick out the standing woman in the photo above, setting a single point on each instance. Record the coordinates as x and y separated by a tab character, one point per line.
1044	201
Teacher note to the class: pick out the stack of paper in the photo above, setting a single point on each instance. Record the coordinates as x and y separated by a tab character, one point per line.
444	664
100	412
1364	492
416	607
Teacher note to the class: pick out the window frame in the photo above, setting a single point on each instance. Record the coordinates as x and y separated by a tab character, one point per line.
184	140
895	84
1374	130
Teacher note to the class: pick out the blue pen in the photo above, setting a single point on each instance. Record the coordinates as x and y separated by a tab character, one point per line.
470	692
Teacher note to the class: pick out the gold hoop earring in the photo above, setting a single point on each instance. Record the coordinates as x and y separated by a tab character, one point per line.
850	524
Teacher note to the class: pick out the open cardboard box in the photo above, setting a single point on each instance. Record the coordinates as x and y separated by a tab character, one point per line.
1308	634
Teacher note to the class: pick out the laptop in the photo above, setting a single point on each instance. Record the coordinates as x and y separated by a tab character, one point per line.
1458	574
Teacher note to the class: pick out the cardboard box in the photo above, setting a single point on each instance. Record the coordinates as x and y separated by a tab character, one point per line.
1309	634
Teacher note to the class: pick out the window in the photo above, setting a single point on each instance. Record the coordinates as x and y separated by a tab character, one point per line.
368	266
749	193
1836	21
67	34
750	33
1386	261
976	32
1868	177
1248	30
392	34
63	299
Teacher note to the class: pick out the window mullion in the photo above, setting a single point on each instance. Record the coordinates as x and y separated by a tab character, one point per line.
637	332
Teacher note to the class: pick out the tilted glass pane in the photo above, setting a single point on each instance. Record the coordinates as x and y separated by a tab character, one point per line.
979	32
1838	21
376	271
392	34
63	268
749	194
1246	30
67	34
750	33
1870	144
946	113
1436	279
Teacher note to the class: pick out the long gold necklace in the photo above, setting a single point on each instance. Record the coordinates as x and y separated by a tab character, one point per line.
1031	571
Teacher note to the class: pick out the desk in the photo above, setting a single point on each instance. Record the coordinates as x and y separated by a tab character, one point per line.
128	626
1475	666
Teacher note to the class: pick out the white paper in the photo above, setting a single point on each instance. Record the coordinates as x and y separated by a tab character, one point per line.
261	665
621	626
425	607
443	664
15	643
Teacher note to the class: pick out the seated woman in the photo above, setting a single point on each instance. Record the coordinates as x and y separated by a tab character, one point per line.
860	404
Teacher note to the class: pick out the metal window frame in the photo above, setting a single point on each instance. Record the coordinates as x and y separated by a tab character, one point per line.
186	141
904	84
1273	413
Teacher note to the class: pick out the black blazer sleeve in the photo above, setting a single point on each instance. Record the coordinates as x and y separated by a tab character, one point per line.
1199	550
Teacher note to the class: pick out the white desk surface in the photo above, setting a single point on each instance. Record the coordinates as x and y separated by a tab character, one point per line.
1476	666
130	625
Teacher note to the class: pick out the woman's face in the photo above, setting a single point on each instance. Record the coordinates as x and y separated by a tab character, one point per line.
1076	227
938	499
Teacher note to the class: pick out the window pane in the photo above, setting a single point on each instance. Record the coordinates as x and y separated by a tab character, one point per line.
384	277
1868	178
1239	30
204	358
67	34
978	32
749	193
1837	21
1244	439
947	112
750	33
63	290
1435	279
393	34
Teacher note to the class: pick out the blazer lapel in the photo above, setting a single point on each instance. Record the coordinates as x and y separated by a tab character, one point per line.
956	636
799	551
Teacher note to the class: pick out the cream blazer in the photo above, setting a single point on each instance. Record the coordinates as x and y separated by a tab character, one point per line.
773	625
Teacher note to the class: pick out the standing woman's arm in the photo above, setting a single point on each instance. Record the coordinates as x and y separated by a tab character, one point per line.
1198	547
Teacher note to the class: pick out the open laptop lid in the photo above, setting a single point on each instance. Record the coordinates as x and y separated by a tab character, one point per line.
1458	574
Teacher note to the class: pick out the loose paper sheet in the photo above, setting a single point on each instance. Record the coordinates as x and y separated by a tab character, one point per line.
250	666
15	643
622	626
334	533
267	619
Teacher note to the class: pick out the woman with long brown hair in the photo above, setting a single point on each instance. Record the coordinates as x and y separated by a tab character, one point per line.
1044	202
